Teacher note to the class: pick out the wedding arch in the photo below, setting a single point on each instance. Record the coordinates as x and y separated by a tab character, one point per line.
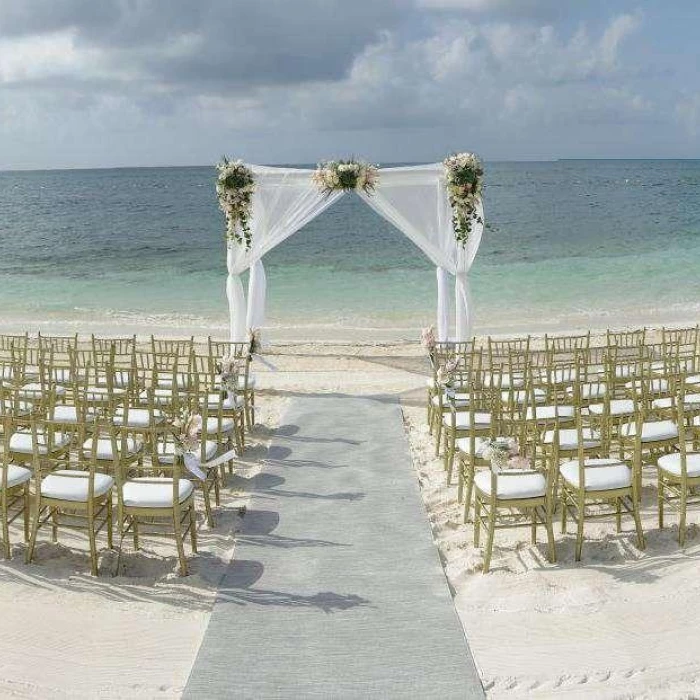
437	206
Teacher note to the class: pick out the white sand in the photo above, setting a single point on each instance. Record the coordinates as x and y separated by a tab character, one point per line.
621	624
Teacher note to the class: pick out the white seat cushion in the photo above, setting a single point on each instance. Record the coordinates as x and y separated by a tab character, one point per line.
227	425
7	372
618	407
568	438
458	398
182	380
166	451
137	418
65	414
463	420
672	463
34	389
512	484
652	431
595	390
104	447
550	412
21	441
236	402
602	474
154	492
693	379
464	445
669	401
73	485
16	475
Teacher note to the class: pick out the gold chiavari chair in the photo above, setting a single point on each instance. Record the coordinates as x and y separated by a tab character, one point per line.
678	472
508	496
453	369
241	353
14	489
159	501
73	495
440	354
221	398
482	401
462	422
588	484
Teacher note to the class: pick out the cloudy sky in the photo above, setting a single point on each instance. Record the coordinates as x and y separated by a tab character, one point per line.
91	83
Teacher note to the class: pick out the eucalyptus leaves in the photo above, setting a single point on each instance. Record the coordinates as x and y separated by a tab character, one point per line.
464	173
234	188
345	175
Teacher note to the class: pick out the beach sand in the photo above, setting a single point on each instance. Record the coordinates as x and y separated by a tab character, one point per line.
622	623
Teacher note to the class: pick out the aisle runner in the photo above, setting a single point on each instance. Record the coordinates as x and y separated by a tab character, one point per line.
336	590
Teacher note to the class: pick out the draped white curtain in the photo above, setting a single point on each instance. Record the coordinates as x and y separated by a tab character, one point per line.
285	199
412	198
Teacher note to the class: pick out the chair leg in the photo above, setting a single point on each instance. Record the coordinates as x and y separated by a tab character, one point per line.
110	525
6	533
579	530
682	514
206	488
180	544
477	520
135	527
193	530
641	544
32	540
438	436
54	525
660	500
489	538
533	527
27	512
551	549
618	515
93	544
469	490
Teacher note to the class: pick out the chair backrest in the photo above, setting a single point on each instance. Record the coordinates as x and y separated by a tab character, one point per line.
180	347
625	339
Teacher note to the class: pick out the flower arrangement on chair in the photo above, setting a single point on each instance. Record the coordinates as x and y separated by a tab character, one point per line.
445	373
427	339
188	432
502	452
227	373
464	172
234	188
255	340
346	175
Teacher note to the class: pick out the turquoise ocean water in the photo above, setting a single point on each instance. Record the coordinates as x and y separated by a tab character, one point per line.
569	244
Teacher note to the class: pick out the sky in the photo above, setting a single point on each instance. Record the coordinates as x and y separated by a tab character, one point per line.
109	83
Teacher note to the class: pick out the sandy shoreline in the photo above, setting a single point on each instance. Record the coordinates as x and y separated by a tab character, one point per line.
620	624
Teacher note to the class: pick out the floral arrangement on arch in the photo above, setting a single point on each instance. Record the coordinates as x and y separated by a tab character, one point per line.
346	175
464	173
427	339
445	374
235	185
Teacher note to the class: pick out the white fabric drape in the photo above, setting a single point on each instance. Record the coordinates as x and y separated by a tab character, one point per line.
257	291
285	199
414	199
